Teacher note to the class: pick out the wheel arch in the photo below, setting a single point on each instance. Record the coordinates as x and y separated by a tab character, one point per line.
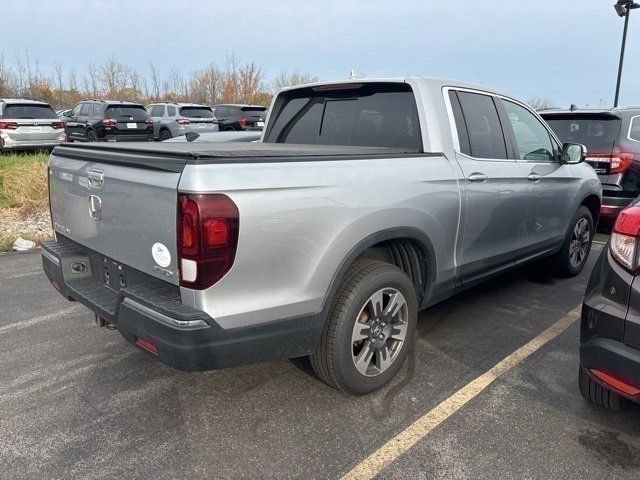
592	202
408	248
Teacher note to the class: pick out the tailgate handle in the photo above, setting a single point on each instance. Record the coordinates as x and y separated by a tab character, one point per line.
96	179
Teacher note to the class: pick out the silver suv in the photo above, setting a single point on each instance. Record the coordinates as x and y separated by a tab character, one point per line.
28	124
175	119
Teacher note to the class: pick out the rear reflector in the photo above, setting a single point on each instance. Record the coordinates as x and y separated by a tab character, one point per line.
617	384
147	345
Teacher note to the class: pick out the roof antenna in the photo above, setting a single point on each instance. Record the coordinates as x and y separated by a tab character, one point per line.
353	74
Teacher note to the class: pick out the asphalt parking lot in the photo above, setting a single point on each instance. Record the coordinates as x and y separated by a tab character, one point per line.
77	401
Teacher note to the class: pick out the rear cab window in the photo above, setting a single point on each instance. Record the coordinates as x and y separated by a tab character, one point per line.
134	112
365	114
196	112
28	111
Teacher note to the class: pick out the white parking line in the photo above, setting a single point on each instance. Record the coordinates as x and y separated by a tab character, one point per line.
33	321
401	443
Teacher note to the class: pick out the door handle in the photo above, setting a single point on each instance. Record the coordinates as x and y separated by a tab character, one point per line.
477	177
534	177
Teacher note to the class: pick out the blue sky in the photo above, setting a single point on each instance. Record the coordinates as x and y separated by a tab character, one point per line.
565	50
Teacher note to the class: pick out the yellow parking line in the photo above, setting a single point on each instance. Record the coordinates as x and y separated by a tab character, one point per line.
401	443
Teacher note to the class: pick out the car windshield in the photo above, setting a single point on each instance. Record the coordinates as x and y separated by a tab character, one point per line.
369	114
196	112
29	111
133	112
597	132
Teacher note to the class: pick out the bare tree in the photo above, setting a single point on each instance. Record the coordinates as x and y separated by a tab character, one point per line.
284	79
540	103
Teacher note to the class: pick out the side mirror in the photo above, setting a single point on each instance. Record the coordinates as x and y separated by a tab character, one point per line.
573	153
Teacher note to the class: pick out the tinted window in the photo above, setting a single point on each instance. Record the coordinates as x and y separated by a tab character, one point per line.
596	131
29	111
461	128
634	131
98	109
483	125
134	112
254	113
156	110
86	109
171	111
220	112
76	110
372	114
196	112
532	138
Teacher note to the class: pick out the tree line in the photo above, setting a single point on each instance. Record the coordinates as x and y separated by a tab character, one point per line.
232	82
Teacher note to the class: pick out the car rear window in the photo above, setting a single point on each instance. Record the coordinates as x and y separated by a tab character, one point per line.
29	111
136	112
596	131
369	114
254	112
196	112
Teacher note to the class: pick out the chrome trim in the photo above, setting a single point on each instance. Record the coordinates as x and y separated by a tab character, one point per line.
162	318
50	257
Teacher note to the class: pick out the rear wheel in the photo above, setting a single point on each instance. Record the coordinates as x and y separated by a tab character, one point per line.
165	134
370	328
599	394
570	260
228	129
90	136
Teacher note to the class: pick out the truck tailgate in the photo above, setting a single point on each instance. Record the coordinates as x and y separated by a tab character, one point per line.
122	211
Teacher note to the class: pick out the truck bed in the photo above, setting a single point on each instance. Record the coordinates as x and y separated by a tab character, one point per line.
173	157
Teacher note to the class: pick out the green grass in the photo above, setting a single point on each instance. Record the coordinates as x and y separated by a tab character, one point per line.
23	179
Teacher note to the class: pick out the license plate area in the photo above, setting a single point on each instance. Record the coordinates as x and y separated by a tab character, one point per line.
132	125
111	273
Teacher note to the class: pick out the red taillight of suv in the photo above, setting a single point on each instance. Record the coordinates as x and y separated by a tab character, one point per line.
625	238
242	122
109	122
57	125
183	121
618	161
8	125
208	227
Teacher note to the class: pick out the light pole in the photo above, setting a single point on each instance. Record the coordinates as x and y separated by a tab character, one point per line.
623	9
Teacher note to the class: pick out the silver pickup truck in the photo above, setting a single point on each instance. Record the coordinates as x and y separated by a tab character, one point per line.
365	202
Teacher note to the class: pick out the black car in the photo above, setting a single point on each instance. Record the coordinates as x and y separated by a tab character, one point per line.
612	138
108	120
240	117
610	328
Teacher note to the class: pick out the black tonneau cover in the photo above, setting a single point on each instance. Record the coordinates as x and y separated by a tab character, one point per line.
174	156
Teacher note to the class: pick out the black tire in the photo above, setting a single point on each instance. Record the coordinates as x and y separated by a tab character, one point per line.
333	358
164	134
229	129
90	135
596	393
561	262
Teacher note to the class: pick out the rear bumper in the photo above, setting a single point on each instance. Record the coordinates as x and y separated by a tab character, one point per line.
144	137
186	338
611	207
10	144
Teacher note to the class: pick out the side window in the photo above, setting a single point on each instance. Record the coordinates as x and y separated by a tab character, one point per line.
171	111
156	111
222	112
76	110
486	138
97	109
634	129
532	139
86	109
461	127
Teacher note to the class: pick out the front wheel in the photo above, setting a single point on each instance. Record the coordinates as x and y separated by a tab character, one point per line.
91	136
570	260
369	330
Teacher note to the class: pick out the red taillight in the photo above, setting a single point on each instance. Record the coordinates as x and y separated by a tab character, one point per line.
183	121
617	383
242	122
57	125
8	125
624	239
618	161
208	227
109	122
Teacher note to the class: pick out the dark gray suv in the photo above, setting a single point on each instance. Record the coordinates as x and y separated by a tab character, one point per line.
240	117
